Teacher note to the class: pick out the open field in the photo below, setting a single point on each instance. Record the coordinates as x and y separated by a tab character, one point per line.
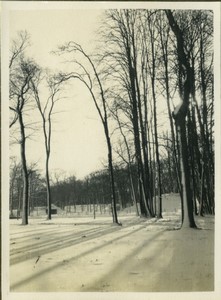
83	254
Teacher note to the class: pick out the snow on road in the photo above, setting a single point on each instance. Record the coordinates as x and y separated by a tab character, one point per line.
82	254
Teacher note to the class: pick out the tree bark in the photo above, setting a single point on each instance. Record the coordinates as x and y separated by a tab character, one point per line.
48	188
187	214
111	172
145	210
24	171
165	61
180	113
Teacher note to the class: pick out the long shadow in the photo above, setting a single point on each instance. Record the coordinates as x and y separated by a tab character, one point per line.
31	228
57	243
66	228
114	271
34	235
59	264
95	222
52	241
37	230
71	240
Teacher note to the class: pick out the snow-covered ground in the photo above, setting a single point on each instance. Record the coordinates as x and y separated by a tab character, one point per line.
82	254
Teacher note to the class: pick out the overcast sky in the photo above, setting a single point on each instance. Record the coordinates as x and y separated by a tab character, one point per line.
78	141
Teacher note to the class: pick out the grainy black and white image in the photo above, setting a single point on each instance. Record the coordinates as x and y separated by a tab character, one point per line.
111	150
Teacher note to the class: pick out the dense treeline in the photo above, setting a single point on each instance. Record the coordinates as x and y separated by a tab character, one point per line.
70	191
152	84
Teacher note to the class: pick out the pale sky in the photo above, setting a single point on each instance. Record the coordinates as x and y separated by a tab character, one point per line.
78	141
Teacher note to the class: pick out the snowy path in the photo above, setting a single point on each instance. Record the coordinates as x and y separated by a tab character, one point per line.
94	255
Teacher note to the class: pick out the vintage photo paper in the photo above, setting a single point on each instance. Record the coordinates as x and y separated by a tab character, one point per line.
110	125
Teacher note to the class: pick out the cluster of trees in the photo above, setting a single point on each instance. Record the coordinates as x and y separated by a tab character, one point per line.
149	59
36	188
68	191
30	83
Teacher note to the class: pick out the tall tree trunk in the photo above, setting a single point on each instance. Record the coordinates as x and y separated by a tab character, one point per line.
192	161
187	216
24	171
132	189
149	157
29	194
165	55
207	155
111	173
201	206
47	131
143	205
152	69
180	114
146	173
11	195
128	164
197	156
20	195
145	210
48	188
159	186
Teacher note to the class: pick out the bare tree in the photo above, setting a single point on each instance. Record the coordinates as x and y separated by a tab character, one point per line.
15	172
18	47
179	114
122	40
93	83
168	80
151	19
21	75
128	160
46	109
16	50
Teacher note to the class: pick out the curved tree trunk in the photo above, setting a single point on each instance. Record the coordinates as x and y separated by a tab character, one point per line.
179	114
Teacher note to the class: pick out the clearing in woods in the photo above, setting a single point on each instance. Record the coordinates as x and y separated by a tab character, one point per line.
93	255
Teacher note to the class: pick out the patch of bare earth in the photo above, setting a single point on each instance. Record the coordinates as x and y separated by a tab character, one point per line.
82	254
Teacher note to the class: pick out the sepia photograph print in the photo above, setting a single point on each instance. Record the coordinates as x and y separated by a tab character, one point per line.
110	150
